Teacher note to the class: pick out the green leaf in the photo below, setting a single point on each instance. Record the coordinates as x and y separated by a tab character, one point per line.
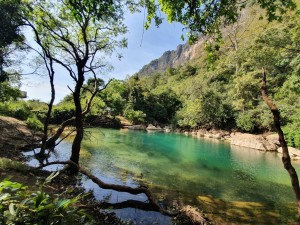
12	209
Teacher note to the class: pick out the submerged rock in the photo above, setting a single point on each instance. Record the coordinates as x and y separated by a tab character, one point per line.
190	215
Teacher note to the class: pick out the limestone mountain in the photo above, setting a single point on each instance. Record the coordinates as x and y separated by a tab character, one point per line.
183	53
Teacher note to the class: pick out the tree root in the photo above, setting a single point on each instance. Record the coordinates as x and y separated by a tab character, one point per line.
152	204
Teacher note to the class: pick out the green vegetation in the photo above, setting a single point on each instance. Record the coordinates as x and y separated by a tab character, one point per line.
218	89
18	205
191	96
221	93
11	40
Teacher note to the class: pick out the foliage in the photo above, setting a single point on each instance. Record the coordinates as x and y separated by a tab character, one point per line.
292	131
229	96
34	123
7	92
11	39
22	110
245	121
292	135
10	22
16	109
62	112
206	17
21	206
134	116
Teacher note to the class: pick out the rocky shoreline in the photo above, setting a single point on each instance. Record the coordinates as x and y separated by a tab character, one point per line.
262	142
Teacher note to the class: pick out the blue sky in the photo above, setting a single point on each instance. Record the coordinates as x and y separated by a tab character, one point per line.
155	42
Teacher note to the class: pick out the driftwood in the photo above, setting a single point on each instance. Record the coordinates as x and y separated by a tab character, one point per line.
286	160
151	205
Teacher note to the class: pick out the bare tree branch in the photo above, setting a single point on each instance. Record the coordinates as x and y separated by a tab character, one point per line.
120	188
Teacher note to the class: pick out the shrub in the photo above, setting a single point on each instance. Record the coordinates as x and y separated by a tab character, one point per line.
246	121
134	116
292	135
16	109
19	206
62	112
34	123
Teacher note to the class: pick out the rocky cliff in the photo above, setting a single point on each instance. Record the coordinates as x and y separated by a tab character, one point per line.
173	59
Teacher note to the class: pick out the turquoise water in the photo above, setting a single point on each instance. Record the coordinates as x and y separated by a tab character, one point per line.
179	168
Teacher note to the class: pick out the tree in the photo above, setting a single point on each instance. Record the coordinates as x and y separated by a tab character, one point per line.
10	24
74	37
11	39
206	17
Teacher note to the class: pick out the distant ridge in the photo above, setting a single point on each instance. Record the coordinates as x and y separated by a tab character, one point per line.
173	59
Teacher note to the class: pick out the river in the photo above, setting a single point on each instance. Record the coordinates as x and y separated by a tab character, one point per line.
232	185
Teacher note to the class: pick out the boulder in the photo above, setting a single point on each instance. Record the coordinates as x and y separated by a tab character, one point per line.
167	130
136	127
200	133
153	128
218	136
274	139
294	153
252	141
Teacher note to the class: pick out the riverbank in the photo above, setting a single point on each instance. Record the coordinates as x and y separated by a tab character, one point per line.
262	142
17	138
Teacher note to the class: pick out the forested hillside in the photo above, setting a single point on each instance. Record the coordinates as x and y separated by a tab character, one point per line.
220	86
211	84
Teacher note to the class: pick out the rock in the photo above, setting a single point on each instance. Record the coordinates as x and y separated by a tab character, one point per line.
294	153
273	139
136	127
200	133
190	215
153	128
167	129
252	141
218	136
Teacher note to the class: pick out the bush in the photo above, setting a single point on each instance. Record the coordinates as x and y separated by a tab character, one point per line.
246	122
62	112
292	135
34	123
134	116
19	206
16	109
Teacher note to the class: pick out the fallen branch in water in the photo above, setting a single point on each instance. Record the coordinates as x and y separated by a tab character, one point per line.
120	188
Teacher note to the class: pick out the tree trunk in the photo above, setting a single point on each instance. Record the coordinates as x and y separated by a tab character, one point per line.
78	122
286	160
50	143
50	106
